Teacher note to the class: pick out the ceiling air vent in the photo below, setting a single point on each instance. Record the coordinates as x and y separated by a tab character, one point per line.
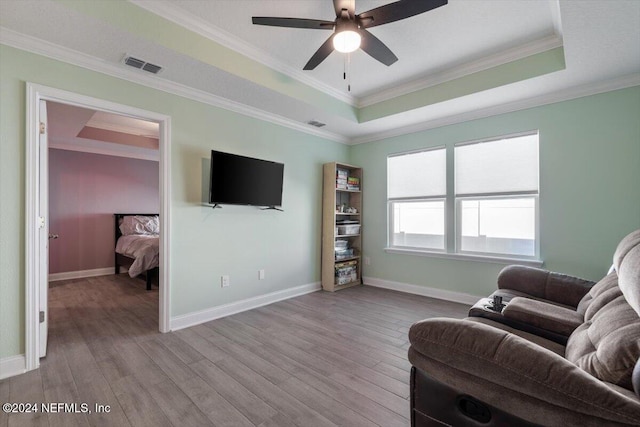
152	68
315	123
141	65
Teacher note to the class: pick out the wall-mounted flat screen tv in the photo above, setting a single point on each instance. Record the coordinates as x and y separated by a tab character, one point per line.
239	180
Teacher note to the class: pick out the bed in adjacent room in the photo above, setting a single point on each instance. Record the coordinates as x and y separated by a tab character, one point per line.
137	245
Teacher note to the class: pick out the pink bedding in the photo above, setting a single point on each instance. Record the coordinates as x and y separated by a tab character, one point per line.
145	249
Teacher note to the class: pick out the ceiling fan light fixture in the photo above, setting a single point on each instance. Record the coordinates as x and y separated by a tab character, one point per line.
346	41
350	29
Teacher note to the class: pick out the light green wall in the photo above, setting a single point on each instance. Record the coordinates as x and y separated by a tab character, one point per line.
205	244
589	189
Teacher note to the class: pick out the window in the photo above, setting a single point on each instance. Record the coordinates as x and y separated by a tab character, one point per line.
496	186
416	193
494	202
498	226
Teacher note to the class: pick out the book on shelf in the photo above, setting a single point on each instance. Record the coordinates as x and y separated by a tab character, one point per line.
353	183
346	272
342	179
346	265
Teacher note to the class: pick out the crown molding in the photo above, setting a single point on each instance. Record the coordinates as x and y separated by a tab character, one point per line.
199	26
185	19
519	52
50	50
41	47
623	82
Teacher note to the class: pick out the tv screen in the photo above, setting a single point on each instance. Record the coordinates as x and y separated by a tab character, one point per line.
239	180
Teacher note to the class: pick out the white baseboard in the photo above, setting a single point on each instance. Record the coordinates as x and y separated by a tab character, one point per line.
197	317
80	274
12	365
425	291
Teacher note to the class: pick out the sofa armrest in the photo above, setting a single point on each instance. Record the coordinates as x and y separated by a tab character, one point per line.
515	375
539	283
543	315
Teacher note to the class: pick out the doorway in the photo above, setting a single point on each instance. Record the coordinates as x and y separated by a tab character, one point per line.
37	220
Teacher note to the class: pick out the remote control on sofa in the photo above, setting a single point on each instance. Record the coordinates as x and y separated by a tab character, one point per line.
497	303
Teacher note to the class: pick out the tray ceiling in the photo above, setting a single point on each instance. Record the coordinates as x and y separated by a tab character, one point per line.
463	60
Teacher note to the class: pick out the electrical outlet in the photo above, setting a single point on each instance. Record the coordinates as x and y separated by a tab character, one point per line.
261	274
367	260
224	281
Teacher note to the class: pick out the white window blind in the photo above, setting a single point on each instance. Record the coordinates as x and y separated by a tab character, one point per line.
495	167
417	175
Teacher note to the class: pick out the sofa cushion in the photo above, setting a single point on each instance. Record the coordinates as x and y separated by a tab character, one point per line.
607	283
543	284
543	315
509	294
607	345
542	342
632	240
629	274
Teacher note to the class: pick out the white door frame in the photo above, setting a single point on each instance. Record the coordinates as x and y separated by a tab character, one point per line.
33	249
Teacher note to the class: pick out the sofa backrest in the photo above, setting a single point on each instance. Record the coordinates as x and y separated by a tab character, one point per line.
607	344
627	262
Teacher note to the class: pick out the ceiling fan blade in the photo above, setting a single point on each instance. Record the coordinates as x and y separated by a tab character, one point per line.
376	49
314	24
321	54
338	5
396	11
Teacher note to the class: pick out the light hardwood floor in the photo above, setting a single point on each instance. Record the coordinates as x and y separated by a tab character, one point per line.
323	359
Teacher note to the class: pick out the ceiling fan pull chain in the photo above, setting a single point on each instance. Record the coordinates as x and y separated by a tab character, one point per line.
353	7
344	68
349	72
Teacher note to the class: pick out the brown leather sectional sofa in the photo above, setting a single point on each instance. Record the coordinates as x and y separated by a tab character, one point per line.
563	351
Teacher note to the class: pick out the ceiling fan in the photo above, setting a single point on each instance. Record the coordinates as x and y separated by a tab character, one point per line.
349	29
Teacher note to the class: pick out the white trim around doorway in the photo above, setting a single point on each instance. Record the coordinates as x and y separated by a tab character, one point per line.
36	93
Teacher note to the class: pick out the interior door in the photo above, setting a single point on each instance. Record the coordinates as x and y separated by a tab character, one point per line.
43	214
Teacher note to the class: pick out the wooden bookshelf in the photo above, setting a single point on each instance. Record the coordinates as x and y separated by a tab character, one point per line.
332	199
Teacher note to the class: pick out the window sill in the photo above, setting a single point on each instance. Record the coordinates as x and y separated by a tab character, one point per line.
467	257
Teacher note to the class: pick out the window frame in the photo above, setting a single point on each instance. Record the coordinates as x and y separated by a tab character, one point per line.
453	215
391	200
391	221
504	196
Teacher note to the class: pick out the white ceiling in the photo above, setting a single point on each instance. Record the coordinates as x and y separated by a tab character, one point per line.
443	38
66	124
601	41
124	124
67	121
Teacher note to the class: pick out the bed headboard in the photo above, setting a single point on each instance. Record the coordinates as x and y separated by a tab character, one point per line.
118	217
